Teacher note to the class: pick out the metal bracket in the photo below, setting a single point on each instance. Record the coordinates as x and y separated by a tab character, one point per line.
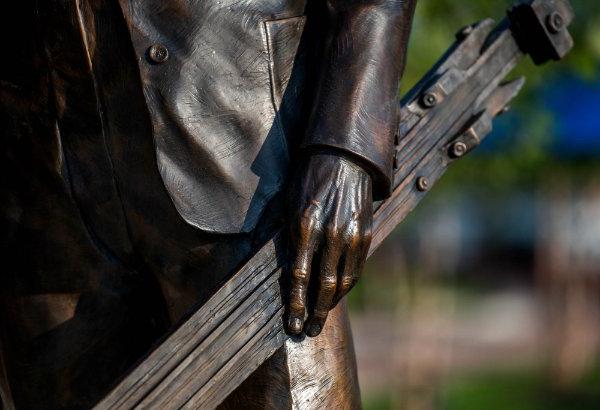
540	28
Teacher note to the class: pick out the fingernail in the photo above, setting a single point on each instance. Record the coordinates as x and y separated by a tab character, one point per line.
295	325
313	330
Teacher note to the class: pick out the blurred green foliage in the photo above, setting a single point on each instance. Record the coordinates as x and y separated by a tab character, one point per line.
524	159
520	391
514	390
521	160
436	22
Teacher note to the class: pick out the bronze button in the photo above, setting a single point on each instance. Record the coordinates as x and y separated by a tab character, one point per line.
158	53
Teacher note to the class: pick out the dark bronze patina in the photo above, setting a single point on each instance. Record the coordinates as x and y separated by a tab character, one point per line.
470	76
146	148
105	250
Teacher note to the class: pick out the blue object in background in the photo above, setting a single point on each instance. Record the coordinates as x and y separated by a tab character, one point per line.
575	105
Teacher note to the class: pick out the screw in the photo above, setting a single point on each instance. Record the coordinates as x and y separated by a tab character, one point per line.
429	100
422	184
458	149
555	22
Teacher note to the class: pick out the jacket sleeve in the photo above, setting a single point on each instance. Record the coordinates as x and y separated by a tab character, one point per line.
356	109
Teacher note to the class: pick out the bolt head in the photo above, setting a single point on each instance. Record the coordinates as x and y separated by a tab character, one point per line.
504	110
555	22
158	53
422	184
464	32
429	100
458	149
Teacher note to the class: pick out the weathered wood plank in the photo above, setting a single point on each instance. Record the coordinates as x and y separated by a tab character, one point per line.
199	366
255	352
179	345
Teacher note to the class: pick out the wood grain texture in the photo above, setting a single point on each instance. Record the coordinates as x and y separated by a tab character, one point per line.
226	339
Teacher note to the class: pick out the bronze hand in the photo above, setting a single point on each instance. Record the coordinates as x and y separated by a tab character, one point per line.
331	215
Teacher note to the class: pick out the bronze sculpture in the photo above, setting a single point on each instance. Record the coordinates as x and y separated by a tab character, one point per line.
155	254
145	141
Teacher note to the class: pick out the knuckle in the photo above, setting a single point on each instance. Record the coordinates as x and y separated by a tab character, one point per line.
305	225
368	236
296	309
307	213
355	238
297	294
332	231
328	283
300	275
296	302
348	283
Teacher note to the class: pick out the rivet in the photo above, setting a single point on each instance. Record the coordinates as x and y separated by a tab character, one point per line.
422	184
429	100
458	149
158	53
555	22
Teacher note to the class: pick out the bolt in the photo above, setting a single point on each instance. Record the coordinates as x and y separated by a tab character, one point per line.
429	100
555	22
422	184
158	53
458	149
464	32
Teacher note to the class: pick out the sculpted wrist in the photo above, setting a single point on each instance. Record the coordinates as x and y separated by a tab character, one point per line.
347	158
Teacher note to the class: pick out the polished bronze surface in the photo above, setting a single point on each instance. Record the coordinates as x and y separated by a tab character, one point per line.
238	77
146	146
306	373
332	210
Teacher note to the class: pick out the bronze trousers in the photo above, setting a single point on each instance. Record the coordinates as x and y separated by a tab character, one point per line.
75	317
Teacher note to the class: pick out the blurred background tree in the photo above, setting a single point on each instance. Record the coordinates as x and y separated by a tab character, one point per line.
488	295
526	140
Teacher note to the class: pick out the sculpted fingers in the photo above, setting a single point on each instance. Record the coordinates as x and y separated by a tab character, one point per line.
354	260
331	214
327	283
306	242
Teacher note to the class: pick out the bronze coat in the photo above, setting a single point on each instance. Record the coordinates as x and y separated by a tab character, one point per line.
227	102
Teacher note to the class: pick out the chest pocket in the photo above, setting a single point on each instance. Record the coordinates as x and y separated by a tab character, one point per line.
283	39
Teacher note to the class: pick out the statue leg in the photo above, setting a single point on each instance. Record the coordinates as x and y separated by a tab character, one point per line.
323	369
72	319
73	315
312	373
